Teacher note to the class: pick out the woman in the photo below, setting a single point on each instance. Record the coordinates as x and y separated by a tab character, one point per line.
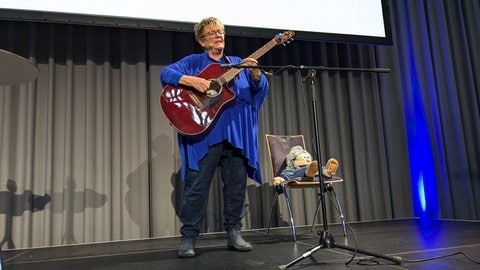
231	143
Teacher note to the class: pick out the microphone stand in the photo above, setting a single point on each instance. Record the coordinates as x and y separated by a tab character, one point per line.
326	238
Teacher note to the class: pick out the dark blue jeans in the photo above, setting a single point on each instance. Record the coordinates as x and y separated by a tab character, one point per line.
197	187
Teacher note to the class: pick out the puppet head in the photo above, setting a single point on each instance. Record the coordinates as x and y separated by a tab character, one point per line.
298	157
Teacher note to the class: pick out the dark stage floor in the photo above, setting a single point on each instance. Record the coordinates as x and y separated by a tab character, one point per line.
406	240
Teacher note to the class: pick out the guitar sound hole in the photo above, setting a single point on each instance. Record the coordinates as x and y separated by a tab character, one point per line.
213	95
214	89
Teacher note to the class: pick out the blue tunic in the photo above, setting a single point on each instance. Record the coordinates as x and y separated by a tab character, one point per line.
238	124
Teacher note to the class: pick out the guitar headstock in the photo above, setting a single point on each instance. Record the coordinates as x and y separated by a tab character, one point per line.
285	37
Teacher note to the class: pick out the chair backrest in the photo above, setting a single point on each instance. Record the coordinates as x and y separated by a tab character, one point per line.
278	147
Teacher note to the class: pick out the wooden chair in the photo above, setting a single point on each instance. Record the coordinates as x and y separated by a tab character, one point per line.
278	147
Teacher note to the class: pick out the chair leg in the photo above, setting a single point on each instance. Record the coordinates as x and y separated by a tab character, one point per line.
275	200
289	207
2	266
316	212
340	212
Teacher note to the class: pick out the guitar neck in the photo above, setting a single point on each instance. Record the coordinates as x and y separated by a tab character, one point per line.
229	75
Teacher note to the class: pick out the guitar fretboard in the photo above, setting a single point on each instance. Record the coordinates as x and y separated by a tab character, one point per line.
229	75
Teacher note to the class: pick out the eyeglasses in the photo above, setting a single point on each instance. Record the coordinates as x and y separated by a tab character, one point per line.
211	33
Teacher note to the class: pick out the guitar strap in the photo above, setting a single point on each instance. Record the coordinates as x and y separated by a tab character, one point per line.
227	59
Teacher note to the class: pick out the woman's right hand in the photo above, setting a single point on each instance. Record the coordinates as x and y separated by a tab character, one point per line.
200	84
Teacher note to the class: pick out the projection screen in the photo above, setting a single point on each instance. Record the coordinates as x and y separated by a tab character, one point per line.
362	21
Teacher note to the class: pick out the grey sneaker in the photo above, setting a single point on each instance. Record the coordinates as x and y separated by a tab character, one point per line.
186	249
236	242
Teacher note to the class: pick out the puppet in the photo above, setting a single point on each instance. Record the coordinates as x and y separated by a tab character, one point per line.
299	164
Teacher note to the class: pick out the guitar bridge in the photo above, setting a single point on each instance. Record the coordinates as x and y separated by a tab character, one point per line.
195	100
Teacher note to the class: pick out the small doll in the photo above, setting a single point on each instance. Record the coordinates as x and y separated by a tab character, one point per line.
300	165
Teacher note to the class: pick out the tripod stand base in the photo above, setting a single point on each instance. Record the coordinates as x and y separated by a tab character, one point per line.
304	255
396	260
327	241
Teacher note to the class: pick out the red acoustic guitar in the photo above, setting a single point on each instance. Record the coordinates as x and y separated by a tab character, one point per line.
193	113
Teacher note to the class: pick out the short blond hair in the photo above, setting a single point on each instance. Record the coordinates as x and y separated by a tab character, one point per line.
198	28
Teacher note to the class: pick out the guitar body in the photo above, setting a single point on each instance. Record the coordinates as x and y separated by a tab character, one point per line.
192	113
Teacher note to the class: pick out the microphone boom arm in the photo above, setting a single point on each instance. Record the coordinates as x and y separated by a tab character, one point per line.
303	67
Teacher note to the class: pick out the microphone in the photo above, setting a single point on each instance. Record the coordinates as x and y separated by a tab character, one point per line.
381	70
228	66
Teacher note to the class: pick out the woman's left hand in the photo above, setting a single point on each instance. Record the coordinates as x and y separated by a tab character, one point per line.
255	72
